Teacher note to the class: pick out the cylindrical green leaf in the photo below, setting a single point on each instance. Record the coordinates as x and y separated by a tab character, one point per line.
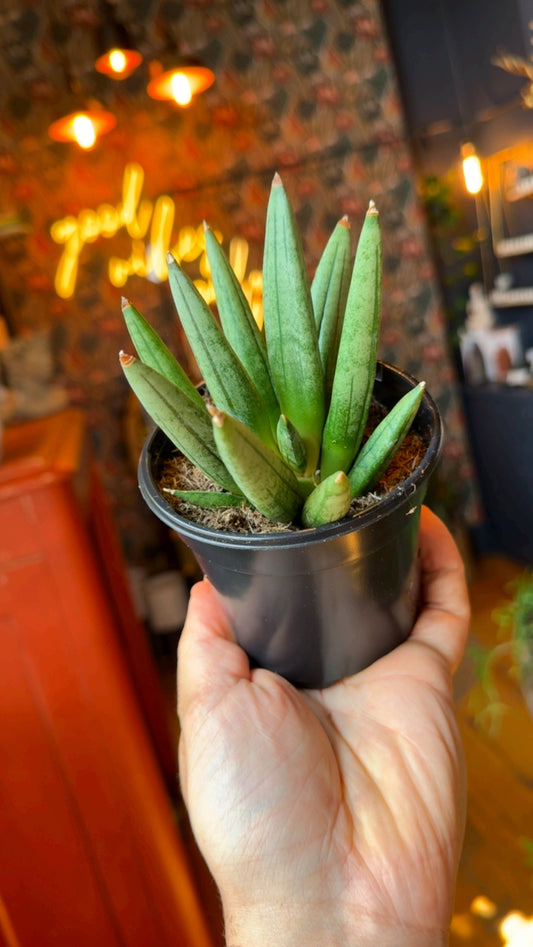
329	291
239	325
356	360
207	499
186	424
154	353
378	451
262	476
228	382
290	329
291	446
328	502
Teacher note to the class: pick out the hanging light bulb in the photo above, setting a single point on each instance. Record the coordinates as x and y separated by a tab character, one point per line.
84	131
118	62
472	171
117	56
181	88
83	127
187	79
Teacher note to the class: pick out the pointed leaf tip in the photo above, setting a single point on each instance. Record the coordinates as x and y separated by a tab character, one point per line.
276	180
170	257
124	301
217	416
345	222
372	209
126	359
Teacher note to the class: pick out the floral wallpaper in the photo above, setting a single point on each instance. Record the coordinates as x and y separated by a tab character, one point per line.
305	88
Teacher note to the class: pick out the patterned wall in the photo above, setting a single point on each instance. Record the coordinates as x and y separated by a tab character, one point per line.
306	88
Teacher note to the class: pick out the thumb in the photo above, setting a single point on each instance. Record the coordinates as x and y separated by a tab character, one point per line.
443	622
210	661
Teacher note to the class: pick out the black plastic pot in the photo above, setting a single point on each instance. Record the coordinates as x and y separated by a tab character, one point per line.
316	605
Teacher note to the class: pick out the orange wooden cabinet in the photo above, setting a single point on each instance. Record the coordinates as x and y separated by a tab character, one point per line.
89	850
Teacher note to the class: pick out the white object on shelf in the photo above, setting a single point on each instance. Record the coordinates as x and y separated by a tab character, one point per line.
519	296
515	246
522	188
479	313
518	377
489	354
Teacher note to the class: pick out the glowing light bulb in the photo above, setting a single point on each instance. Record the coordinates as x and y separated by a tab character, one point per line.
117	60
181	89
84	131
472	173
517	929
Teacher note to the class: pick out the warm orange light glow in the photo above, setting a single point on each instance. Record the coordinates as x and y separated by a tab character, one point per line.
83	128
84	131
149	224
117	60
181	89
180	84
472	171
517	929
118	63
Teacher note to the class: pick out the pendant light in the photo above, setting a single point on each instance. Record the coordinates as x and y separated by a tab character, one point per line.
117	57
118	62
472	171
83	126
85	121
186	79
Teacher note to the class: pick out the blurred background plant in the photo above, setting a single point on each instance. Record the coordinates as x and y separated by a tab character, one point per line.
458	244
511	655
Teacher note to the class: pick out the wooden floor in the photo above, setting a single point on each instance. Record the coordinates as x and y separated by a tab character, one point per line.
496	871
495	879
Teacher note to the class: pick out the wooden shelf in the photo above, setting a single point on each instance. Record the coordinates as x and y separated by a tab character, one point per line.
515	246
503	298
524	188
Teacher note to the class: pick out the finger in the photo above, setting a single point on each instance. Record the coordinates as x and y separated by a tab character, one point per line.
443	622
209	659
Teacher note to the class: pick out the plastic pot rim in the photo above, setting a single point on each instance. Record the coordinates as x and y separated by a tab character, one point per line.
401	494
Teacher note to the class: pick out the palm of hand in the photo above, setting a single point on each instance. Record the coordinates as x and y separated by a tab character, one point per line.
319	794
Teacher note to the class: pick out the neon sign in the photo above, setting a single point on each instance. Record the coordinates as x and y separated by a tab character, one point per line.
149	224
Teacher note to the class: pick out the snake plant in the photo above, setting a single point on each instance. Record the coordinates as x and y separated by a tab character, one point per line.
284	424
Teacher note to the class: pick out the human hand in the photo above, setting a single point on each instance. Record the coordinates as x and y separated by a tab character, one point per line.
330	817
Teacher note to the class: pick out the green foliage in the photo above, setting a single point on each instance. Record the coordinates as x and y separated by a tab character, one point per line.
514	621
458	245
289	408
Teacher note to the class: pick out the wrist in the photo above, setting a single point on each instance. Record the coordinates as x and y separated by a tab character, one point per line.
293	925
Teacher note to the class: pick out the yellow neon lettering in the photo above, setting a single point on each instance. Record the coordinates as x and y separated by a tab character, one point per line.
62	230
238	257
160	234
187	245
89	226
118	271
132	184
149	225
67	269
206	290
109	220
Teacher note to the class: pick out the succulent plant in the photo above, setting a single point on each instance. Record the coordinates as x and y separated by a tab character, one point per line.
285	420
